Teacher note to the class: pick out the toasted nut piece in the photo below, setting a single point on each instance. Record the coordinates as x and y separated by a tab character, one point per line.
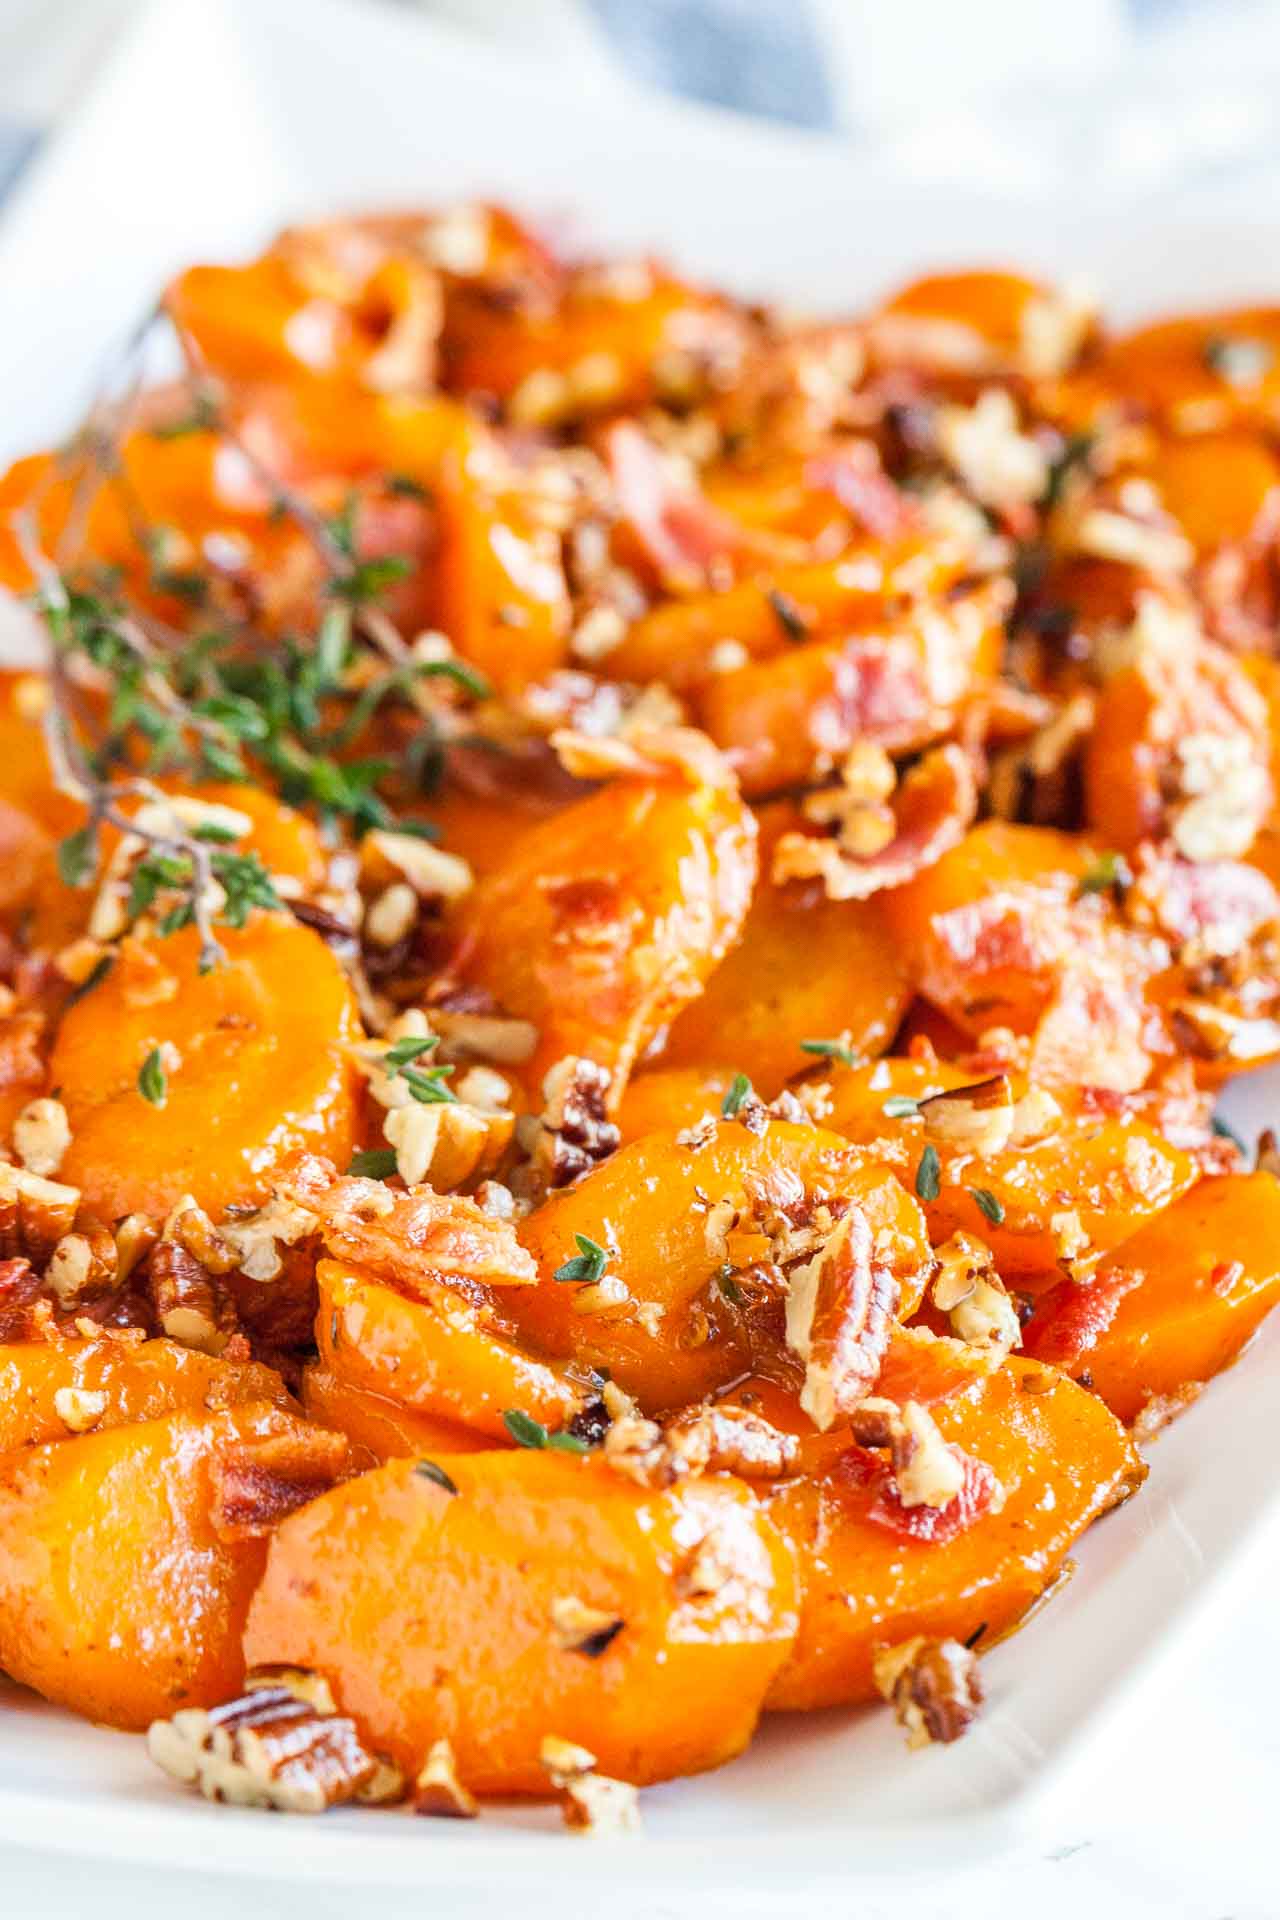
41	1136
34	1213
78	1409
971	1292
933	1685
592	1802
732	1440
83	1265
485	1036
135	1236
976	1119
432	873
999	465
578	1628
255	1239
191	1227
313	1688
840	1305
575	1128
438	1791
182	1293
392	916
1069	1237
1035	1117
268	1749
563	1760
926	1471
76	962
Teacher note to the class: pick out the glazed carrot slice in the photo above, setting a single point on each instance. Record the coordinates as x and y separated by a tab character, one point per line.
1175	1303
606	920
378	1426
378	1587
852	984
1060	1459
48	1388
128	1557
256	1073
672	1217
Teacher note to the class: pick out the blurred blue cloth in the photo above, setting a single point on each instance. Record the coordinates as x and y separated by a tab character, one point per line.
753	55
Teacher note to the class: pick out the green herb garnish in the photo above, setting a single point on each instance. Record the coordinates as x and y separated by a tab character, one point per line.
588	1264
528	1432
153	1083
739	1092
929	1174
988	1204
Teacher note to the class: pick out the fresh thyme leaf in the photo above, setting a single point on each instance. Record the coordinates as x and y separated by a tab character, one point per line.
412	1047
739	1092
429	1087
588	1264
831	1050
214	835
1240	359
77	857
788	615
524	1429
377	1163
247	884
403	486
370	578
566	1442
1225	1132
988	1204
153	1083
1075	453
900	1106
428	1470
1109	870
929	1174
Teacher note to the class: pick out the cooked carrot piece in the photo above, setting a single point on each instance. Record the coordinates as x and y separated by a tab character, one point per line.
606	920
443	1353
674	1221
128	1558
50	1389
604	1620
1072	1188
380	1426
867	1582
254	1068
852	986
1173	1304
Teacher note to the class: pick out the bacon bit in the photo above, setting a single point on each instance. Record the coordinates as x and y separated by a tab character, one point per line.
927	1367
645	753
259	1483
1219	904
1070	1318
19	1286
437	1791
682	534
858	481
932	808
411	1240
978	1494
840	1308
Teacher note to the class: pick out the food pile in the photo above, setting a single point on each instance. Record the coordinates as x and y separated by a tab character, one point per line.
620	918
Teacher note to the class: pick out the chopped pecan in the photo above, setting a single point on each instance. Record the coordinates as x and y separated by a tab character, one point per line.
576	1131
34	1213
269	1749
41	1135
438	1791
187	1306
840	1306
590	1802
78	1408
934	1687
83	1266
258	1483
578	1628
976	1119
970	1291
926	1471
734	1440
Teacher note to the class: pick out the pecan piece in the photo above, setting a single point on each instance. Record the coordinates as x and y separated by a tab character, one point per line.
576	1128
269	1749
934	1687
840	1306
34	1213
438	1790
977	1119
590	1801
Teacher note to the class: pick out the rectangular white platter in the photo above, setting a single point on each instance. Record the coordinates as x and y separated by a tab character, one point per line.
212	124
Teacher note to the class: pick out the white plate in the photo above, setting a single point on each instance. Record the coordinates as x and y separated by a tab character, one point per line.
215	123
